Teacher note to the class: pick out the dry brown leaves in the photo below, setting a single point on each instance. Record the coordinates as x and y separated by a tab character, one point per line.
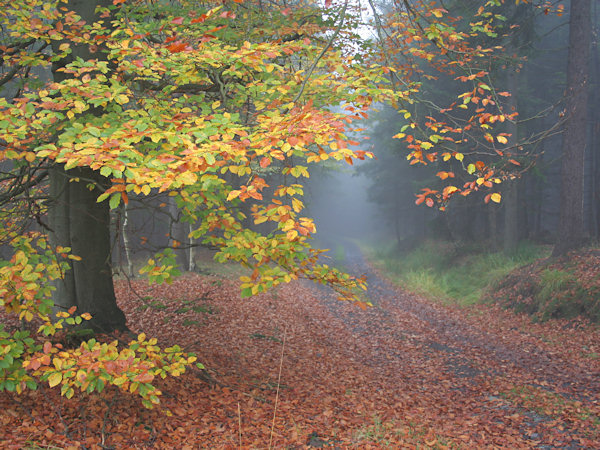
402	374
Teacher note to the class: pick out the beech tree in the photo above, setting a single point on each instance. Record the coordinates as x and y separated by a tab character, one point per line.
195	102
105	101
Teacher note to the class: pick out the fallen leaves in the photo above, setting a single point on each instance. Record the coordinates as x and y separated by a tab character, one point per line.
393	376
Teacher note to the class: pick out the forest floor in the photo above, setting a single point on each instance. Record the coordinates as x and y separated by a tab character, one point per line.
295	368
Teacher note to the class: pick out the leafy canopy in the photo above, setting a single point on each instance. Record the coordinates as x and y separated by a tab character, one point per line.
187	98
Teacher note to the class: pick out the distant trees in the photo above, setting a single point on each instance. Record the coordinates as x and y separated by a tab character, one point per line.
526	154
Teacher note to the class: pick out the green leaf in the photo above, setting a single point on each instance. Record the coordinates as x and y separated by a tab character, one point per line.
115	199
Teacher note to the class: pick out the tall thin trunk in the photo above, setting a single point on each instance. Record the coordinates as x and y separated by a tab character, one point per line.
126	243
571	226
511	196
191	260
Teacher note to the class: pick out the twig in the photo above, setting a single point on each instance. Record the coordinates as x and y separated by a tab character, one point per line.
240	424
278	385
335	34
105	420
56	410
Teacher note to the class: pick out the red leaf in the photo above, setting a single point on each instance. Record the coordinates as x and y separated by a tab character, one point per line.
264	162
177	47
177	20
199	19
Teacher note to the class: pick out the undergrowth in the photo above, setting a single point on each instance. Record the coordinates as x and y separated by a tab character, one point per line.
452	272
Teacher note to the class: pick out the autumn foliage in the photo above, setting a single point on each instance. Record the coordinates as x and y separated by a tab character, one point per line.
196	103
202	103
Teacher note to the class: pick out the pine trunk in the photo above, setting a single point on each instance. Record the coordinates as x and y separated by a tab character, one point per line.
571	222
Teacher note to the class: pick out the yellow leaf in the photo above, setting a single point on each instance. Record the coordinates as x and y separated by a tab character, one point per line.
121	99
459	156
502	139
260	219
495	197
233	194
141	337
55	379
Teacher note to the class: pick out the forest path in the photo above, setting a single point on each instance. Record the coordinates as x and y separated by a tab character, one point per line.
295	368
478	367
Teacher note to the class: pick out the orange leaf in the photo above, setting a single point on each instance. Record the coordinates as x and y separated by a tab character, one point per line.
265	162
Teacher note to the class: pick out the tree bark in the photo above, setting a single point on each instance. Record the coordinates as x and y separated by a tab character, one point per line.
79	222
571	223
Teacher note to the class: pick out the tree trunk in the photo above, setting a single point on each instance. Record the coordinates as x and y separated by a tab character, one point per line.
79	222
511	197
570	228
126	243
192	253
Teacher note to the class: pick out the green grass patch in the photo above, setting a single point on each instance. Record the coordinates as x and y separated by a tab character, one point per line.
203	309
153	304
562	294
390	433
191	322
452	272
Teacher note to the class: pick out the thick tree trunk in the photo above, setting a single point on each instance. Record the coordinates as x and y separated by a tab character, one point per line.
79	222
570	228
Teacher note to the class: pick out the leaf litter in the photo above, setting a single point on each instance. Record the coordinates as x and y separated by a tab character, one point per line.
406	373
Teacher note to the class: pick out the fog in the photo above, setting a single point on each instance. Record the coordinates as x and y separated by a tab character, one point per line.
337	200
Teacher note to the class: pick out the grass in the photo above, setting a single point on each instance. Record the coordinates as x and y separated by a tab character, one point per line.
563	295
384	433
456	273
